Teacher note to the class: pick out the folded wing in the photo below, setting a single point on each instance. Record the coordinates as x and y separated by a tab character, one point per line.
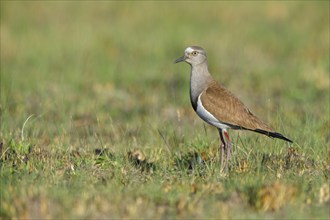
229	110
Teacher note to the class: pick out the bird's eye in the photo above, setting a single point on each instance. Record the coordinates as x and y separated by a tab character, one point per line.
194	53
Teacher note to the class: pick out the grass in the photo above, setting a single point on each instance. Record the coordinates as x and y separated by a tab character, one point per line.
96	121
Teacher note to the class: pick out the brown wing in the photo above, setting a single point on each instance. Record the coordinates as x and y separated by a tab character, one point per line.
230	110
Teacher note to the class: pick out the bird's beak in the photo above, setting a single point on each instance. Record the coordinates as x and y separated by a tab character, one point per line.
183	58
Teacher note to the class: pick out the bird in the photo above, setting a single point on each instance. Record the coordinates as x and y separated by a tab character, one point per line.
217	106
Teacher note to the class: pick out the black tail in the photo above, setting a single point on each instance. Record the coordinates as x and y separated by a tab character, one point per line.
273	135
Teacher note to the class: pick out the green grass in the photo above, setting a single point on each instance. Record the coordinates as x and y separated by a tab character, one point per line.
96	120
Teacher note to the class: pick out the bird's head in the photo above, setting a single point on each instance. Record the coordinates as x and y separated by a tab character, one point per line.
193	55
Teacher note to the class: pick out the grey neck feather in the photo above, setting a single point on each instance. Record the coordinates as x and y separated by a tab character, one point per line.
200	78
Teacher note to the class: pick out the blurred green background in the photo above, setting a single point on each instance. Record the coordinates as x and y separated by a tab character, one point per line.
101	75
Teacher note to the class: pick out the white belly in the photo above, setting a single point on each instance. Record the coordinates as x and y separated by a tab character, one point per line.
208	117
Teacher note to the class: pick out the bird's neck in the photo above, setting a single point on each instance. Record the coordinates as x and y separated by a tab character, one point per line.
200	78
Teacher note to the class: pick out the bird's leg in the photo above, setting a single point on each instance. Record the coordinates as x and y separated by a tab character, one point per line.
222	147
228	148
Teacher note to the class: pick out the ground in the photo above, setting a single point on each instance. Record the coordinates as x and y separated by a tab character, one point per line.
96	120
